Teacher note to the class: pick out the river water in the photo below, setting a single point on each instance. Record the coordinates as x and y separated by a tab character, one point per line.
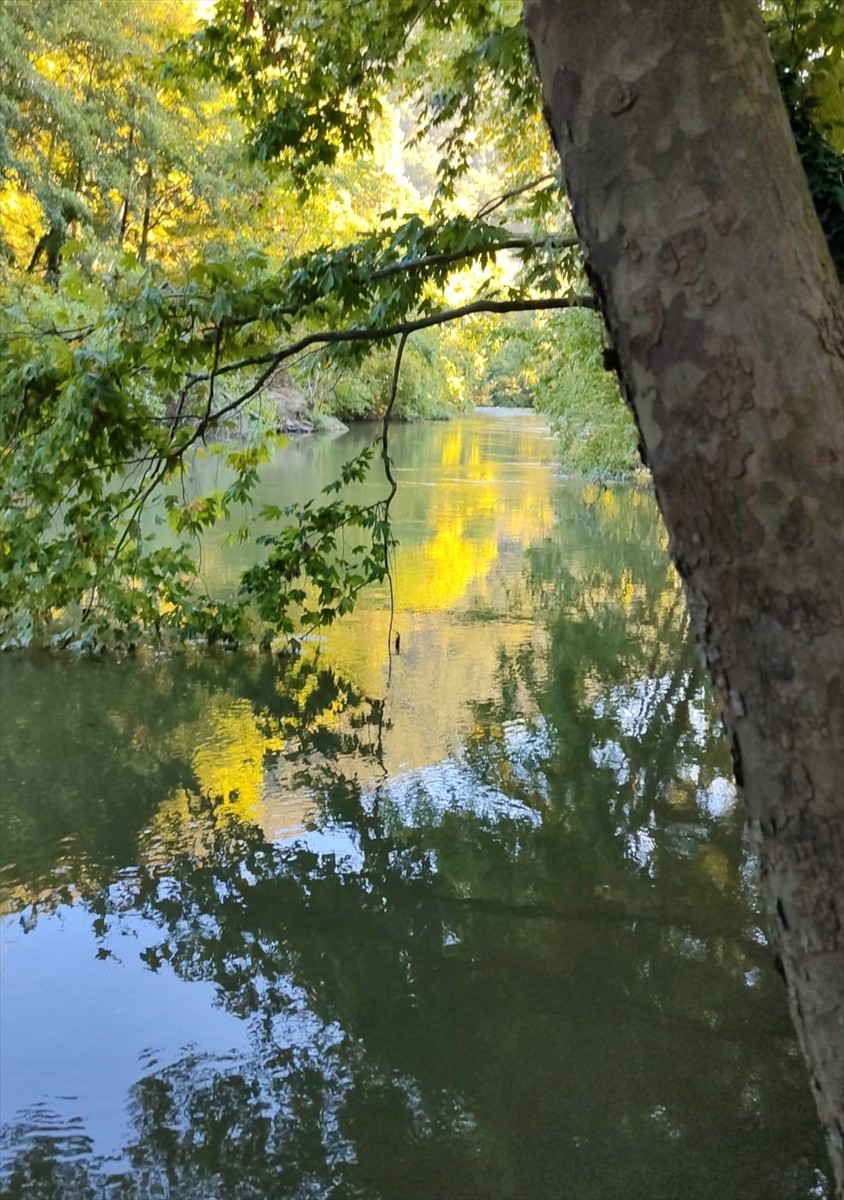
472	921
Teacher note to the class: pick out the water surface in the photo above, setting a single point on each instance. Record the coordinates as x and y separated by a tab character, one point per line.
473	921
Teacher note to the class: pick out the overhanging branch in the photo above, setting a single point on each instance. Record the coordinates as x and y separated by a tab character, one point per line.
160	469
456	256
425	262
334	337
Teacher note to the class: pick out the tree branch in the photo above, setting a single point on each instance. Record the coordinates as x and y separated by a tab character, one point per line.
327	337
455	256
423	262
271	363
492	205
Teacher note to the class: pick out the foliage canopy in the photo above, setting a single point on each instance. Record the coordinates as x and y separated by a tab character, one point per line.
186	213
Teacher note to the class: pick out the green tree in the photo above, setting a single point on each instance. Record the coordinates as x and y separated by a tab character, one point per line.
96	140
595	431
807	44
114	380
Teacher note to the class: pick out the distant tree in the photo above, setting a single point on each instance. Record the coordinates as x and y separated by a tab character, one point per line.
96	139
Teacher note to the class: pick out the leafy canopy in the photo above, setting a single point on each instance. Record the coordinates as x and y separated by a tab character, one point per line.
186	215
138	357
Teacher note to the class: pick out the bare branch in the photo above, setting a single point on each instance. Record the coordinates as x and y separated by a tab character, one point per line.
498	201
391	479
328	337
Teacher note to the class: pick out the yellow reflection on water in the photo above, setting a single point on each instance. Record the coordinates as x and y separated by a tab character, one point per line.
437	574
227	747
229	760
468	517
472	510
452	449
717	866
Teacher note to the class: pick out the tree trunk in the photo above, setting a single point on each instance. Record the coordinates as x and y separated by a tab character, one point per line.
125	208
50	243
724	309
144	246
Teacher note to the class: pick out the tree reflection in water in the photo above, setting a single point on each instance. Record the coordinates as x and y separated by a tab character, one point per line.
532	971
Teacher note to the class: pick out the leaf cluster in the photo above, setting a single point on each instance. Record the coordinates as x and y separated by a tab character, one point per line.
310	566
807	44
310	78
595	431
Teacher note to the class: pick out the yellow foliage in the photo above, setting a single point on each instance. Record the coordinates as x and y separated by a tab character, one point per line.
20	220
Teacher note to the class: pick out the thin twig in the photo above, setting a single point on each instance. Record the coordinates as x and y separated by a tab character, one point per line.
388	471
497	202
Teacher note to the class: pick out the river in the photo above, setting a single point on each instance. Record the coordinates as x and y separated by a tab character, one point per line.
472	921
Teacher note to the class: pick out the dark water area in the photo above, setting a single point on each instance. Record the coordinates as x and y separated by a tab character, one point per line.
477	920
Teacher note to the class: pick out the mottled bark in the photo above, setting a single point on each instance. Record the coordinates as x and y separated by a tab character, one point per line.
726	315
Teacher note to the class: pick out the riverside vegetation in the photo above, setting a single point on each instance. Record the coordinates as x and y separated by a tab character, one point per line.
177	234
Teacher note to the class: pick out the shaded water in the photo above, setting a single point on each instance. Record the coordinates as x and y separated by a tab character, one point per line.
479	925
